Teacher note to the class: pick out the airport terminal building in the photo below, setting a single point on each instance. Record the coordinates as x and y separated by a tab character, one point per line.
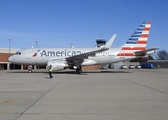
5	53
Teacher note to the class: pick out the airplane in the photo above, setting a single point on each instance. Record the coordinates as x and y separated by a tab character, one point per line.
74	58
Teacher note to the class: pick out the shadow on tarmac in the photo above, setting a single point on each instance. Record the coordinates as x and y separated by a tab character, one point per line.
85	72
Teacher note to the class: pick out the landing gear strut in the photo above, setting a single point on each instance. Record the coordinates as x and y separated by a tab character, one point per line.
79	70
30	69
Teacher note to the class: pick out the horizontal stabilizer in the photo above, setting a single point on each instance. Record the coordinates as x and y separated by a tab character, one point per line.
145	52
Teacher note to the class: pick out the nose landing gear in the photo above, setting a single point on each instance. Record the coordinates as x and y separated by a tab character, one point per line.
30	69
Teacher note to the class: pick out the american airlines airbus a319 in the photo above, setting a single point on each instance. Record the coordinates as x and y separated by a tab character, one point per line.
74	58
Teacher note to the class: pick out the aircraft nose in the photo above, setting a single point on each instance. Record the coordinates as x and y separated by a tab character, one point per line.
10	59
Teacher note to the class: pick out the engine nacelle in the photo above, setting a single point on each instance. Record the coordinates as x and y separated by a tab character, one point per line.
57	65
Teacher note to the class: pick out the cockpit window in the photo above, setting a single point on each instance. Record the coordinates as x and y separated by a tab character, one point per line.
18	53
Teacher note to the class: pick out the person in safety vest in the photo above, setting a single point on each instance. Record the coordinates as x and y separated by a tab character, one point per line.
50	71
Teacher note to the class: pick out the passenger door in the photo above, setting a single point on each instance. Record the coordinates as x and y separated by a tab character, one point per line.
29	53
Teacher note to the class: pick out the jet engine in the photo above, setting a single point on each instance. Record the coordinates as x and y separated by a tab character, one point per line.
57	65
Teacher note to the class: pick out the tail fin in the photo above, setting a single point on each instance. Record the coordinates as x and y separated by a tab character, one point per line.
138	40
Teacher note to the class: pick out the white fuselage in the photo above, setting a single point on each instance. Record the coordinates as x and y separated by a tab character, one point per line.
40	56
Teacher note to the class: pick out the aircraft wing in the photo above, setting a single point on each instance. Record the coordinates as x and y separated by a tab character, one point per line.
143	52
92	53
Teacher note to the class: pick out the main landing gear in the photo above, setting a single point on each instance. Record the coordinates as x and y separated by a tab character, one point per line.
79	70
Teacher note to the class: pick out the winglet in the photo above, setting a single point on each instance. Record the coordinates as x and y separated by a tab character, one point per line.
109	43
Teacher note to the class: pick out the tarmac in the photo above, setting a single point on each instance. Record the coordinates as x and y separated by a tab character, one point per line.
115	94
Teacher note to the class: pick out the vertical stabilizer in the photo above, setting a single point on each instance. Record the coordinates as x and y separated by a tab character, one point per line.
137	42
139	38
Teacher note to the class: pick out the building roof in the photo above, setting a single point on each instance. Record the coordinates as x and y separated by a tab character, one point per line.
158	61
6	50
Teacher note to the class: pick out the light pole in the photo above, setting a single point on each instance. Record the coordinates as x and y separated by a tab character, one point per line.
9	43
71	44
36	43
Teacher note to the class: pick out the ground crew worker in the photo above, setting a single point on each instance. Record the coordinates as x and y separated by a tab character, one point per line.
50	71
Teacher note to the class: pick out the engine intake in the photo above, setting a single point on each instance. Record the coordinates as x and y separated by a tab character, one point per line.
57	65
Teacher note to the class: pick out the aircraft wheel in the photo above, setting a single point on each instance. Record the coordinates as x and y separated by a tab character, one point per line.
30	71
79	70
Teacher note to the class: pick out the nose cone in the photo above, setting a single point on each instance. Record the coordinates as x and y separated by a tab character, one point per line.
10	59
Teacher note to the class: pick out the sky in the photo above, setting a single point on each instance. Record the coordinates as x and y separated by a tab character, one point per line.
60	23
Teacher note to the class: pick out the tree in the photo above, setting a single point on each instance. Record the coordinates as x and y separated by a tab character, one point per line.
162	55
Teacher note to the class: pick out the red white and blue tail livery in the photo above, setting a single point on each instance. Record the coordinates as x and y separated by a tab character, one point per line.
139	39
137	42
